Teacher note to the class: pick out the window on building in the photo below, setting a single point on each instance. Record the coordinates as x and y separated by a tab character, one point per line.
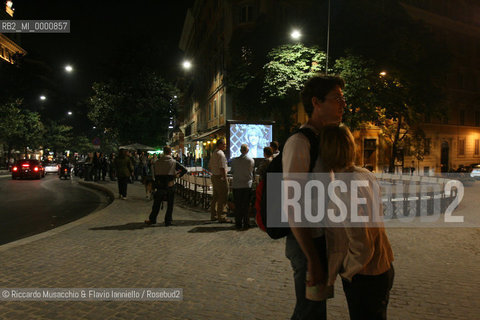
209	107
461	118
477	118
215	108
222	104
461	147
427	144
246	14
477	147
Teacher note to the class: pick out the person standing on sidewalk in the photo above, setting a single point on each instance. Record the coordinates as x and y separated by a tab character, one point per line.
274	146
165	170
360	252
124	169
323	101
242	170
111	167
218	167
268	157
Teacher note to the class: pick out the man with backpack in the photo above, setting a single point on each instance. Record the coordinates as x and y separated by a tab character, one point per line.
165	169
323	101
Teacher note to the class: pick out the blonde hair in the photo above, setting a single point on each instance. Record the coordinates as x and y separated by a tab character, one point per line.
337	147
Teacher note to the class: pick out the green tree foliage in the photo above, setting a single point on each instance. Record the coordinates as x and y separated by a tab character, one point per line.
287	69
133	109
58	137
81	144
285	73
19	127
360	77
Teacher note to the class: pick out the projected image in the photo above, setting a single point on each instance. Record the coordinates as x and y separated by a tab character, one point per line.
256	136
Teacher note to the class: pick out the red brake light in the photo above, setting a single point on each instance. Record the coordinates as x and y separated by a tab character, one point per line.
15	168
25	165
65	170
35	169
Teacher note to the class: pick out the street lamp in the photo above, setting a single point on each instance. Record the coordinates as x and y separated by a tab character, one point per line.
69	113
43	98
68	68
383	73
295	34
328	38
187	64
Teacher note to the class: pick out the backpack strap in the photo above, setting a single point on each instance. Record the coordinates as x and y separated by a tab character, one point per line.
312	138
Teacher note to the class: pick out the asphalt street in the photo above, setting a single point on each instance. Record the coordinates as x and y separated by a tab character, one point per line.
29	207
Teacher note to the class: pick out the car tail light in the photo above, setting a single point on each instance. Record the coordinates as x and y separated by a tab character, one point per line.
65	170
35	169
25	165
14	168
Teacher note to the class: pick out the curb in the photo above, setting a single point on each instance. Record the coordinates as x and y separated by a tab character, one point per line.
93	185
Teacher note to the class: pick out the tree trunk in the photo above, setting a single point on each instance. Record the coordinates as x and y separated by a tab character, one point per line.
391	167
9	153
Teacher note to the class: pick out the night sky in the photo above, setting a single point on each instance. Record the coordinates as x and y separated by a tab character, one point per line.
101	30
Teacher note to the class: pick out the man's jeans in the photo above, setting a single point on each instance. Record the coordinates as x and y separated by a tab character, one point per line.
242	206
305	309
157	201
367	296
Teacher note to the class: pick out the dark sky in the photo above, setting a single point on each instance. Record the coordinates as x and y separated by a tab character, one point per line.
100	30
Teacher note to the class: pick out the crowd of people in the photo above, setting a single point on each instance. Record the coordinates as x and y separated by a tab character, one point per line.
361	256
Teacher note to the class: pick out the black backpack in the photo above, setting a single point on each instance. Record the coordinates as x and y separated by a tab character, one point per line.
261	192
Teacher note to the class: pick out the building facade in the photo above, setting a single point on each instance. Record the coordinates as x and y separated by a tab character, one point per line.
208	29
449	143
9	43
454	141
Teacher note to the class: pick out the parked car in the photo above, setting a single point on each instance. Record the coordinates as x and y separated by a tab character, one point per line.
475	173
28	168
51	167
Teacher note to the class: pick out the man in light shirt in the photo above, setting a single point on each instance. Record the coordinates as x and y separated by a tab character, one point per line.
218	167
242	170
323	101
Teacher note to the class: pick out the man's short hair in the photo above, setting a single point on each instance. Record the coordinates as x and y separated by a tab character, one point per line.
274	145
244	148
318	86
167	150
220	142
268	152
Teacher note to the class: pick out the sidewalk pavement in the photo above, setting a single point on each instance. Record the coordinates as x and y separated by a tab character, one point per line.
225	274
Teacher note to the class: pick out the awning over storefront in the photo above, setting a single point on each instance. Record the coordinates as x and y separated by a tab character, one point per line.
205	135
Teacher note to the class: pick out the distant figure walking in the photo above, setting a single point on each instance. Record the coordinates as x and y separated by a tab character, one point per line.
124	169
